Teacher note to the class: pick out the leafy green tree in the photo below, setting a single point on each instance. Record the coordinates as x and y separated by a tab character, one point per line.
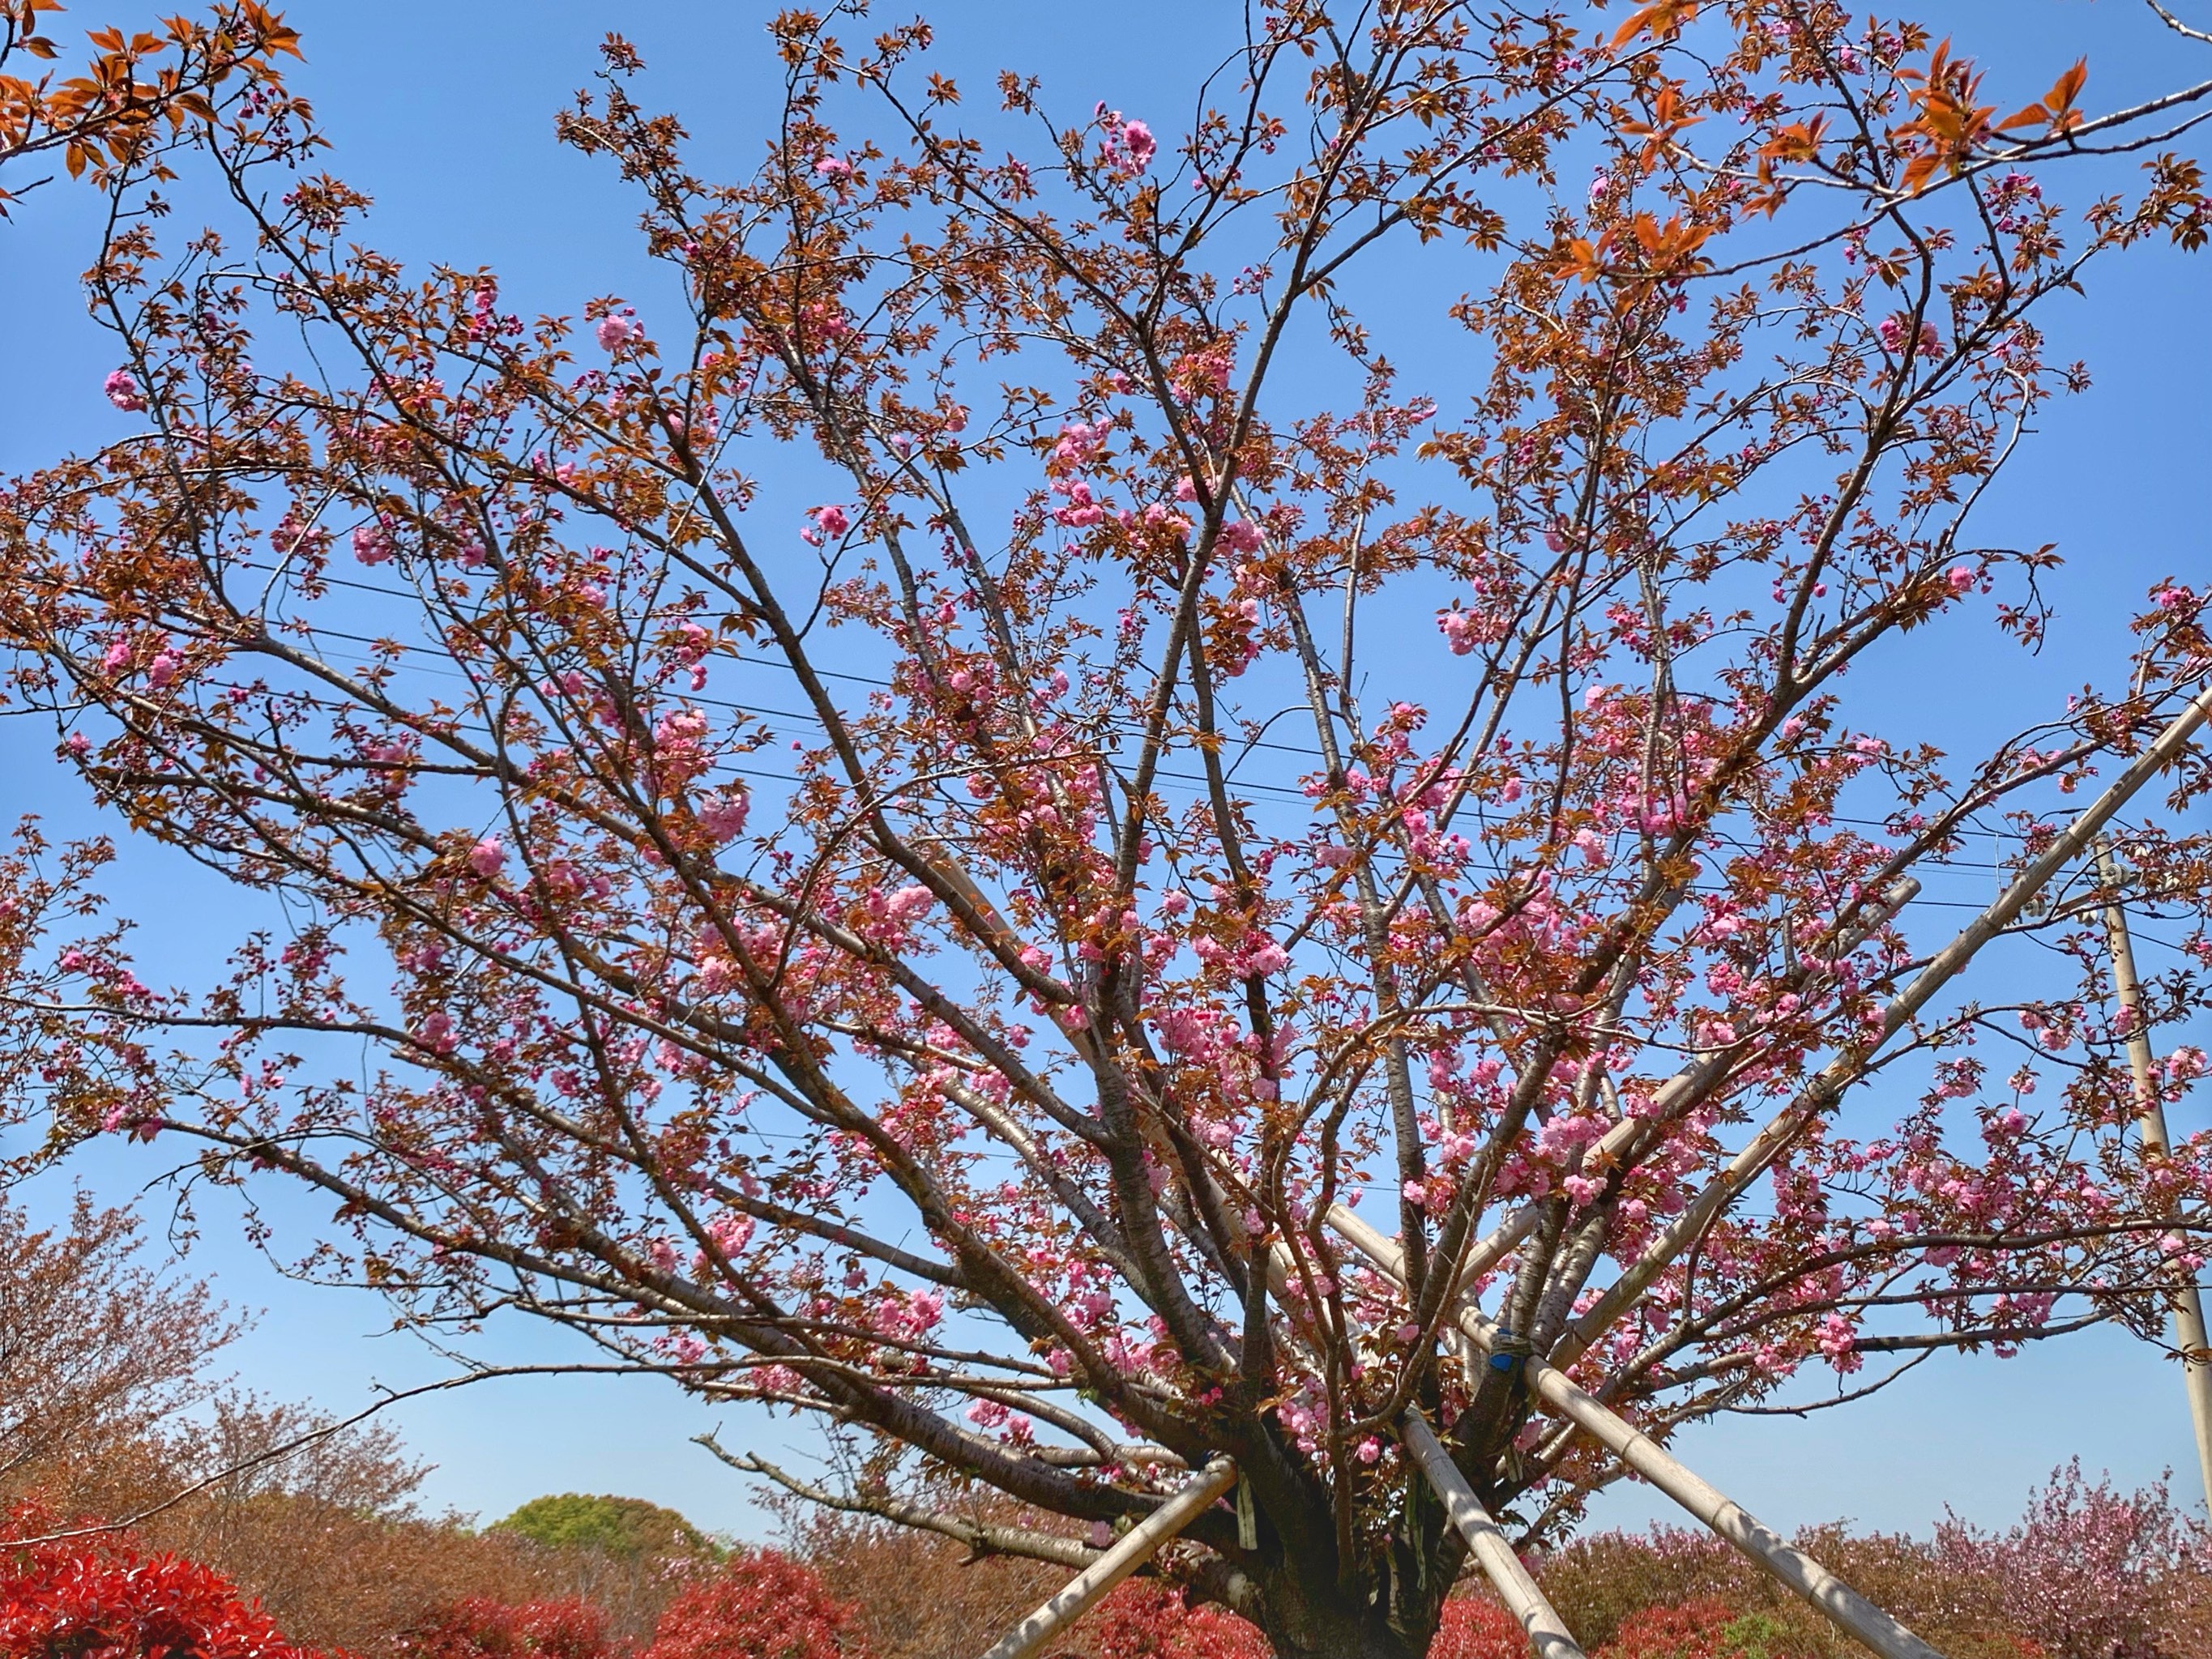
627	1527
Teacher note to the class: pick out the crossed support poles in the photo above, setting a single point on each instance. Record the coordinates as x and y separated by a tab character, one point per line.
1722	1515
1477	1337
1548	1636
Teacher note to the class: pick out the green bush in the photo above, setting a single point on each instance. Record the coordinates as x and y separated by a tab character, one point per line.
1754	1636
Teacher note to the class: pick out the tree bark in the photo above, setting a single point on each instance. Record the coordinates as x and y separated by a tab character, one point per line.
1305	1621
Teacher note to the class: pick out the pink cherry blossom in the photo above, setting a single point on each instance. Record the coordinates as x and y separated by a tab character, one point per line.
732	1232
613	333
1839	1342
1081	511
723	816
122	389
1898	339
488	857
371	543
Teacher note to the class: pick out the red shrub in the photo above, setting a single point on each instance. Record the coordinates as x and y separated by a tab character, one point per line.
1692	1631
1704	1628
100	1597
759	1605
1145	1618
479	1628
1475	1629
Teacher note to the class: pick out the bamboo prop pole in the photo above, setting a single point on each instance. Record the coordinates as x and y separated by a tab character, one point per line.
2187	1304
1547	1634
1614	1144
1132	1549
1509	1235
1726	1517
1840	1072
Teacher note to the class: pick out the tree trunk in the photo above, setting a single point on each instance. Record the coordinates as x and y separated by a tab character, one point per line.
1306	1621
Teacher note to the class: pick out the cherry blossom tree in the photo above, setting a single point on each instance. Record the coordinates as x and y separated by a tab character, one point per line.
901	832
2090	1570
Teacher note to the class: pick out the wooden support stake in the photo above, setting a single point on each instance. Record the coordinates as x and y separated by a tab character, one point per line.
1726	1517
1547	1634
2188	1305
1131	1551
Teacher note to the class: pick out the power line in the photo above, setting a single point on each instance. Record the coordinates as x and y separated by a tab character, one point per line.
1281	790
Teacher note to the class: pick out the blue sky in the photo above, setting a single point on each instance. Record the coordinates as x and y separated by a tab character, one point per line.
444	113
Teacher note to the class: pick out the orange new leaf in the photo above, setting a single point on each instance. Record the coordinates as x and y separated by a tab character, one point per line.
1662	21
2056	109
1580	261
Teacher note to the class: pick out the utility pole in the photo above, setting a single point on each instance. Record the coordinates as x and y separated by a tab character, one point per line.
2186	1302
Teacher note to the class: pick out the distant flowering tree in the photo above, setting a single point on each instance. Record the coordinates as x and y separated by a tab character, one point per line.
905	830
2088	1571
98	1350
